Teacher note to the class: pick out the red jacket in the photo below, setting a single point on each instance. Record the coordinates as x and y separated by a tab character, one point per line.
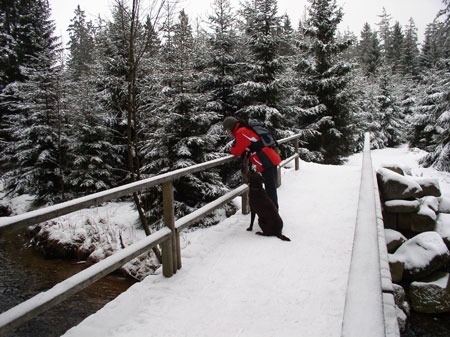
263	159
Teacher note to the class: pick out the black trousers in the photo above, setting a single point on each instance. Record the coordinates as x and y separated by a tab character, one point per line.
270	183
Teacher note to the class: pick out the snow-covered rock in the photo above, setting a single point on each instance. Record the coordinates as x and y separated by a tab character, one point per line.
444	205
395	186
422	255
431	202
401	306
443	227
396	268
422	221
431	295
430	186
402	206
397	168
393	239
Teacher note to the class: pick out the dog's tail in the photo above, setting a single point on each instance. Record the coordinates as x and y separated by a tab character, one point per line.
283	237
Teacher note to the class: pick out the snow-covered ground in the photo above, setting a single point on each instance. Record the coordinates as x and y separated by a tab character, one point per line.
235	283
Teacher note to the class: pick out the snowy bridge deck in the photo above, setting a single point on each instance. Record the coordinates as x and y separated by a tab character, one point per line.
235	283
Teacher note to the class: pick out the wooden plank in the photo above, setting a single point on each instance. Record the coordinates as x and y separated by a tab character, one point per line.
23	312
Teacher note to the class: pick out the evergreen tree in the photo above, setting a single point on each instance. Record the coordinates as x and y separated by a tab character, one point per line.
435	106
81	44
423	123
37	123
90	150
431	48
410	57
369	51
217	68
392	121
326	77
181	138
397	48
260	90
386	36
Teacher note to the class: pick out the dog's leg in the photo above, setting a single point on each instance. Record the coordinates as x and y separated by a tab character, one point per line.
252	220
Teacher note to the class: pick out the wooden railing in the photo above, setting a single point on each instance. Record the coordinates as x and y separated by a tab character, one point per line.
369	304
168	237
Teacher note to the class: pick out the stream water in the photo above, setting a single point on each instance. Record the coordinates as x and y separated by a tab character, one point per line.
24	273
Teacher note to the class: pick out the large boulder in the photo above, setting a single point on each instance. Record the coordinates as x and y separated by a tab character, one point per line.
396	268
395	186
402	206
429	186
397	168
422	255
443	227
432	295
444	205
401	306
430	202
400	298
422	221
393	239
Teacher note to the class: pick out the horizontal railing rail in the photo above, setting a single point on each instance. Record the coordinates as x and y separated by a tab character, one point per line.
48	213
369	289
168	237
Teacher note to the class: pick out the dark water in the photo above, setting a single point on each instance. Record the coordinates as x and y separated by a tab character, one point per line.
24	273
422	325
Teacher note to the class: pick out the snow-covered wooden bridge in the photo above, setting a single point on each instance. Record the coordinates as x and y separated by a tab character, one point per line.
332	279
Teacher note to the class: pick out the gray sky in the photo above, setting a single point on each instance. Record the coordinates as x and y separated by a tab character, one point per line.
356	12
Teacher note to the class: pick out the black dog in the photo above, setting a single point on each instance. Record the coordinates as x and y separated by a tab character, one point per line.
268	218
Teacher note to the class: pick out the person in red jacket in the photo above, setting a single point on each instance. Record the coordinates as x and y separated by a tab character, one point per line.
264	158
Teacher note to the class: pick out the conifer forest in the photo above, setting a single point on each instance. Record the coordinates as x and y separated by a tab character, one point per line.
146	92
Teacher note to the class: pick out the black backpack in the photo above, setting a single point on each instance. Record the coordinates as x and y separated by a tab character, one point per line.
266	136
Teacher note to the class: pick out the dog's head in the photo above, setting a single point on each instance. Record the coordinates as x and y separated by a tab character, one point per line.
255	179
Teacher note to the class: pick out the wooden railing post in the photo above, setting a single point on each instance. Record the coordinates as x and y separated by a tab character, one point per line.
169	220
297	160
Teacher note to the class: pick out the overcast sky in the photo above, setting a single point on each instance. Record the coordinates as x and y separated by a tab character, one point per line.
356	12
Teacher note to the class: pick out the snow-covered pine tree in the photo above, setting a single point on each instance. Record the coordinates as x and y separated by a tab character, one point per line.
392	121
90	149
385	32
369	52
260	90
37	123
17	49
410	57
181	138
397	48
431	50
217	59
325	77
436	103
111	84
219	69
